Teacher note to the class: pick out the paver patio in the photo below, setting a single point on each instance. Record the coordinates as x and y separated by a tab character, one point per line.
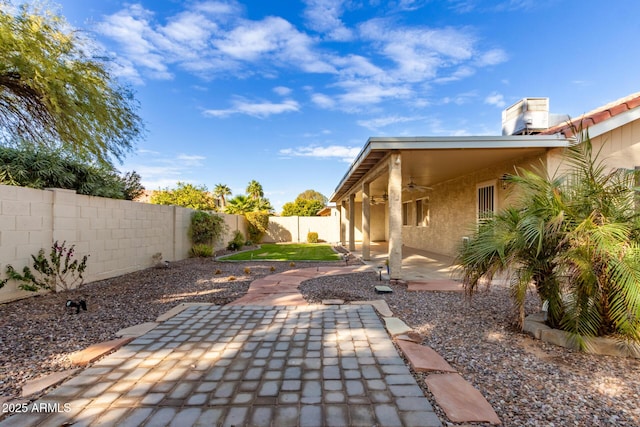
246	365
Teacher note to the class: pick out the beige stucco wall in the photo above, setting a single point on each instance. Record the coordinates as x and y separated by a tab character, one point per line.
119	236
452	206
296	228
620	148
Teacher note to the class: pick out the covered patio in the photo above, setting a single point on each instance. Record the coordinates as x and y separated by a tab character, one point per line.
417	265
414	200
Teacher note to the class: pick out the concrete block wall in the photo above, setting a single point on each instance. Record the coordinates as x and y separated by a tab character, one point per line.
295	228
119	236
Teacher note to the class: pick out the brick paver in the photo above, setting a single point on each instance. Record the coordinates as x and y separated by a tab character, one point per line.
246	365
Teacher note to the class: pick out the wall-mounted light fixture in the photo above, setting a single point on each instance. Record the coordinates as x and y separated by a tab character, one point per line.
505	180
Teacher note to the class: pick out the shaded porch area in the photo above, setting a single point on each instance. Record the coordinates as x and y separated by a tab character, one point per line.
417	265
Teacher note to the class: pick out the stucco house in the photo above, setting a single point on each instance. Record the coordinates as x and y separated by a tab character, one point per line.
430	192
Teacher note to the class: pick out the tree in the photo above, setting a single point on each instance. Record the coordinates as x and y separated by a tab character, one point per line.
43	168
239	205
186	195
56	92
221	191
313	195
575	238
254	190
132	186
302	207
308	203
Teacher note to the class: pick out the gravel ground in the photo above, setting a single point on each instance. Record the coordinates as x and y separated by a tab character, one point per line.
528	382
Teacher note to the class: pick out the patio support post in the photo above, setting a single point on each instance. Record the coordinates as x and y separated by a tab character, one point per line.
366	214
395	216
352	222
343	223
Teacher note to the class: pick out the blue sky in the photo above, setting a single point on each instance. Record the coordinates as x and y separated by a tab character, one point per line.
287	92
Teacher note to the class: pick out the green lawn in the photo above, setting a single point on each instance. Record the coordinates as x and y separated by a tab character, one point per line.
288	252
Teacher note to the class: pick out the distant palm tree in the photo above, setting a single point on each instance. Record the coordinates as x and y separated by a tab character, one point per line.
220	192
575	238
254	190
240	205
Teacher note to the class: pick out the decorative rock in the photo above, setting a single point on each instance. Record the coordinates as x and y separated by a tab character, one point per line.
381	289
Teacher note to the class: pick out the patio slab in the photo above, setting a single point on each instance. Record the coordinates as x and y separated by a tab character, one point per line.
461	402
423	358
96	351
435	286
42	383
396	326
137	330
380	305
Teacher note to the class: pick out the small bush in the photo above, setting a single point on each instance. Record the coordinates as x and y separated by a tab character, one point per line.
258	224
292	264
218	271
247	270
206	228
237	243
58	272
312	237
231	278
201	250
272	269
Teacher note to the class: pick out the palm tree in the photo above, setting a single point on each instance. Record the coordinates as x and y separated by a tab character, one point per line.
220	192
240	205
575	238
254	190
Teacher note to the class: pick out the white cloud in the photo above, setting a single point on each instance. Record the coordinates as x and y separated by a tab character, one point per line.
324	16
131	28
282	90
161	170
381	122
418	52
255	109
346	154
496	99
208	39
492	57
323	101
191	160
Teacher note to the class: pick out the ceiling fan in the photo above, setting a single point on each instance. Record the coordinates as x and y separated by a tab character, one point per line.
412	186
380	200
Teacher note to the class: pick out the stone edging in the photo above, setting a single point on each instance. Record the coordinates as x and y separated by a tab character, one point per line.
535	326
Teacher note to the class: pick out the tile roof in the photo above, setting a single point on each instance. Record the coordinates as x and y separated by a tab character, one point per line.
596	116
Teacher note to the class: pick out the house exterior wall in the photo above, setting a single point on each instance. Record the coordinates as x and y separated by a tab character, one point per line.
452	206
620	148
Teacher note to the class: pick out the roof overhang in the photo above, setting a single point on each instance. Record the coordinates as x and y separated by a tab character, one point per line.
443	156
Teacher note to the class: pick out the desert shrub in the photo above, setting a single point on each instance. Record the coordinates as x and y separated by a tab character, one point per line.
312	237
237	243
201	250
206	228
58	272
258	224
